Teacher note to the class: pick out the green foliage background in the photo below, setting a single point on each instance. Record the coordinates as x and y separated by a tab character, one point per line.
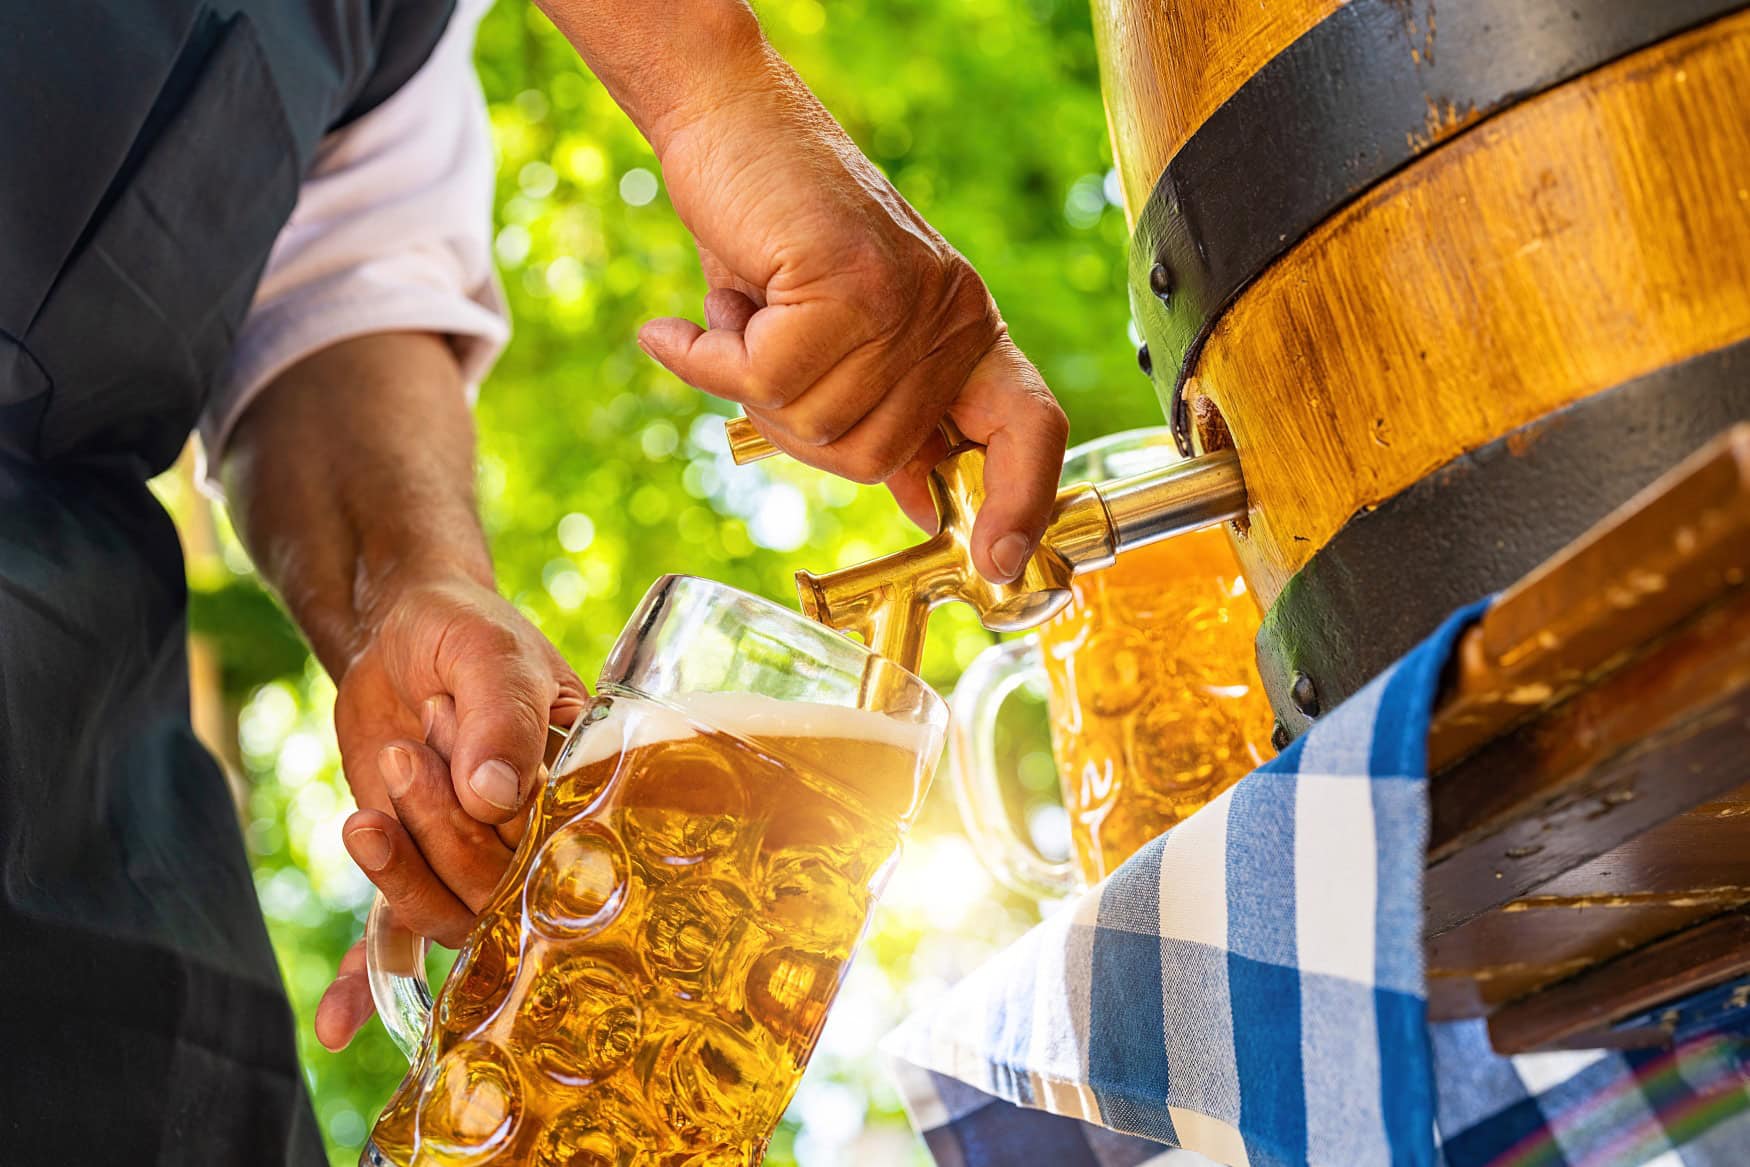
598	471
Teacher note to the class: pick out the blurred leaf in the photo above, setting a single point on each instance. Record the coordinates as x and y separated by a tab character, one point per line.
260	643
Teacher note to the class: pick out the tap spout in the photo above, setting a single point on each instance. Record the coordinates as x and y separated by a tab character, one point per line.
887	601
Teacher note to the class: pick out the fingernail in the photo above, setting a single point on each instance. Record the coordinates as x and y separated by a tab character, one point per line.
1008	554
428	716
495	781
370	847
397	768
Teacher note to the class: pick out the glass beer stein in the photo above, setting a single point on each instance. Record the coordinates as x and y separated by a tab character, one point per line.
652	974
1155	703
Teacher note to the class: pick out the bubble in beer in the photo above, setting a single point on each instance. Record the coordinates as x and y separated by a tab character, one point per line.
720	1157
716	1074
576	1142
476	985
807	900
817	824
690	925
608	1128
580	1020
1116	671
470	1108
577	883
788	992
685	808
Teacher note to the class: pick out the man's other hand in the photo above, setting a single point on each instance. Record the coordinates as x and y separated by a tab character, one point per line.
843	324
442	719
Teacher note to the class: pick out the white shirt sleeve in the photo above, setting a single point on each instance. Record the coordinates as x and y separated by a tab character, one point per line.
392	232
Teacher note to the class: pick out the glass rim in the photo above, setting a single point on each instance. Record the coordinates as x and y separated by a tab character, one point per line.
1139	438
671	581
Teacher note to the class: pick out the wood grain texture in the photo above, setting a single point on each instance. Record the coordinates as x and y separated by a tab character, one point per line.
1676	874
1508	955
1673	549
1652	740
1587	236
1691	960
1607	807
1165	65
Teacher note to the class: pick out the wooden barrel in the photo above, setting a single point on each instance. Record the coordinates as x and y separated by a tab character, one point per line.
1454	284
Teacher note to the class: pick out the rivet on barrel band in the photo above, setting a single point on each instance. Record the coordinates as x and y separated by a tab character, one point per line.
1305	695
1160	282
1280	737
1290	148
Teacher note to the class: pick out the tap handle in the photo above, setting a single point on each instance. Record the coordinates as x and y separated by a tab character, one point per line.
746	444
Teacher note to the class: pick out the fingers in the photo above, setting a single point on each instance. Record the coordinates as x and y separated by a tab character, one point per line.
729	308
768	361
465	853
572	698
392	861
910	484
503	699
438	716
347	1004
1006	406
442	727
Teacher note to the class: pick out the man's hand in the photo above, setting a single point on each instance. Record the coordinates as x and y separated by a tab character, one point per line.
837	318
366	526
442	721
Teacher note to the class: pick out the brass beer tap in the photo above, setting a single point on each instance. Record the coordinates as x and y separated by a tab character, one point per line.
887	601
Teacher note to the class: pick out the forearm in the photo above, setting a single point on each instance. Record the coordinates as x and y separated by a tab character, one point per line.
352	475
670	64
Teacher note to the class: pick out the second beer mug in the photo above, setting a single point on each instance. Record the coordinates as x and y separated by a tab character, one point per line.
1155	703
651	976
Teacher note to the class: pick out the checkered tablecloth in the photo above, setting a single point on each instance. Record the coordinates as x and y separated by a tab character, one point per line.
1249	989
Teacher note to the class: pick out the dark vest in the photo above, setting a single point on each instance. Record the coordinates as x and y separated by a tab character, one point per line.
150	152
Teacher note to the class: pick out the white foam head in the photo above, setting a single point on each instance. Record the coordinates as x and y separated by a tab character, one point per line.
747	715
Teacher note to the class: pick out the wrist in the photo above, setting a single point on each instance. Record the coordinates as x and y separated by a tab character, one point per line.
384	582
669	66
742	77
342	613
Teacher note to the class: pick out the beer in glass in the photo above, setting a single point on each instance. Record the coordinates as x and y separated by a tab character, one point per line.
1155	703
652	974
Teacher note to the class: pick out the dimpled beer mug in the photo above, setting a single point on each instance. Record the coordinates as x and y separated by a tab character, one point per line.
1156	706
650	978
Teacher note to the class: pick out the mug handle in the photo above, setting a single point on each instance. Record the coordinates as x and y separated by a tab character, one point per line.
395	967
395	956
988	682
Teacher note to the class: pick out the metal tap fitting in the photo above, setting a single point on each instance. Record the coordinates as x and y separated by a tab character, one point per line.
887	601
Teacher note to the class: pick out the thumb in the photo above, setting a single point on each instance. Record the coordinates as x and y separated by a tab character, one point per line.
503	702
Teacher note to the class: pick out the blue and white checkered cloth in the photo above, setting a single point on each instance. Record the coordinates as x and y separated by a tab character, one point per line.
1249	989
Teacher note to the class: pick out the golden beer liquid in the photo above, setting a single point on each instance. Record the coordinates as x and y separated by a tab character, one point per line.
1156	705
651	978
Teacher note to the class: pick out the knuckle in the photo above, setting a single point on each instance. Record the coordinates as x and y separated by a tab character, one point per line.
421	907
872	465
816	430
466	831
762	391
491	638
1052	419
